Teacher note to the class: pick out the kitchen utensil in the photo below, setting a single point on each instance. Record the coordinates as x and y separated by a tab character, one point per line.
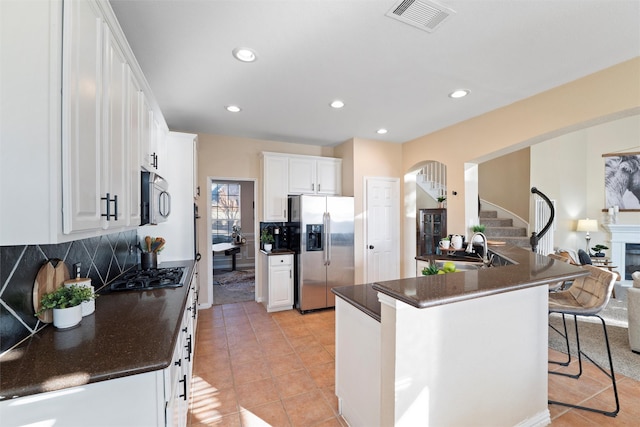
148	242
160	244
50	277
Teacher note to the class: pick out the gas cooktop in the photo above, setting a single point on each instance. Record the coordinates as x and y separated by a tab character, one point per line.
143	280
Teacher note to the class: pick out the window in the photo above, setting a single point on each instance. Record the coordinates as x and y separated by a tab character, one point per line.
225	211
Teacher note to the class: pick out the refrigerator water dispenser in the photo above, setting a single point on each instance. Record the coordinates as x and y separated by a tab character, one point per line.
314	237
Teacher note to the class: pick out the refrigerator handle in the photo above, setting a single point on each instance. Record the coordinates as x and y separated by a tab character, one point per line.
328	238
325	248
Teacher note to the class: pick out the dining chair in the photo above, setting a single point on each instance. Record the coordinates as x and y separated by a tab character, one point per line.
586	297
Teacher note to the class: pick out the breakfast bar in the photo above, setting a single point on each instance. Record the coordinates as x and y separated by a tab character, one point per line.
465	348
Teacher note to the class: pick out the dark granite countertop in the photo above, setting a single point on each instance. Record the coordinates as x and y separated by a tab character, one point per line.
364	297
129	333
528	270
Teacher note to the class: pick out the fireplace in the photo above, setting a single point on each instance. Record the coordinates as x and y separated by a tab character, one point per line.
625	248
632	259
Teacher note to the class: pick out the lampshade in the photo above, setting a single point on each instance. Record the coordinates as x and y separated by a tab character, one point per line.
587	225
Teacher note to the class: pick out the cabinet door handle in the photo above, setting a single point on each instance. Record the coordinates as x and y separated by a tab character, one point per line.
178	362
188	347
313	187
108	201
370	246
184	384
318	188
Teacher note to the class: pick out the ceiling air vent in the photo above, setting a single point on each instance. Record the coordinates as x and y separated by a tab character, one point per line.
426	15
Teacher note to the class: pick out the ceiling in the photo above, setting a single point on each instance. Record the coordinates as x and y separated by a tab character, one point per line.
389	74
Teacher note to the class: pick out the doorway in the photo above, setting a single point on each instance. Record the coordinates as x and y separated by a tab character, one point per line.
231	232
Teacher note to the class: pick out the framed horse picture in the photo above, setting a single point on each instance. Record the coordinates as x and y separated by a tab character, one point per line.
622	181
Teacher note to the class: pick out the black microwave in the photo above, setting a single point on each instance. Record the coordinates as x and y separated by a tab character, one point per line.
156	200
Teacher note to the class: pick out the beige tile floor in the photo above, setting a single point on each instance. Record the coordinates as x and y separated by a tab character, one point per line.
253	368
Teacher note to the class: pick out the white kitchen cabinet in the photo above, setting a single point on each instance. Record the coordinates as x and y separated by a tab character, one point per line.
278	272
285	174
315	175
67	124
275	173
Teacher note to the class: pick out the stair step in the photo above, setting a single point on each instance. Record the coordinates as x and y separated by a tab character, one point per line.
499	232
488	214
497	222
522	242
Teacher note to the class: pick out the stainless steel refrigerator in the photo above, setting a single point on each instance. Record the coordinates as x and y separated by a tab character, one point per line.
324	258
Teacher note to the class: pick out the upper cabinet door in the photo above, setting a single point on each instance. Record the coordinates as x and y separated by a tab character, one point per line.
115	184
82	120
147	136
302	175
135	123
275	194
329	177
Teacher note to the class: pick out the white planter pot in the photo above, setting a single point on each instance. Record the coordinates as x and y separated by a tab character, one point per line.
268	247
67	317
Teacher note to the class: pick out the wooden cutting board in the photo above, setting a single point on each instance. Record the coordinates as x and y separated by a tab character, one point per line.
50	277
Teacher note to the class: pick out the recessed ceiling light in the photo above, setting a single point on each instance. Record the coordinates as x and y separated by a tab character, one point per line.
337	104
233	108
460	93
244	54
381	131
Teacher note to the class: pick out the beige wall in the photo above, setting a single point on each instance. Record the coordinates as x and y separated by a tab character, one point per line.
600	96
370	159
570	170
504	181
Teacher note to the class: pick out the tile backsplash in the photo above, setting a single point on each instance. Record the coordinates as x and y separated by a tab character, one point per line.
102	259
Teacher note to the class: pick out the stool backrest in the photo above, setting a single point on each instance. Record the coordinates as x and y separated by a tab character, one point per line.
592	292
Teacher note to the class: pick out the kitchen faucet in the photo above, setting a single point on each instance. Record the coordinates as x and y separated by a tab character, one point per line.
486	261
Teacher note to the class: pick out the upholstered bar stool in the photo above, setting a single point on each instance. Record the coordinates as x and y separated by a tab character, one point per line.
587	296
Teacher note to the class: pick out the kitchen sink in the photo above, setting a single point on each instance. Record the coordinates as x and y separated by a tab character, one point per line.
460	265
474	262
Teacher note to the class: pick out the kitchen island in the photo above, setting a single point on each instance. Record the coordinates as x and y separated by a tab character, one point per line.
466	348
125	364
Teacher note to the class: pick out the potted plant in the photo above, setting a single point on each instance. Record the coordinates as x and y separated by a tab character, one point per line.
66	304
598	250
267	239
441	200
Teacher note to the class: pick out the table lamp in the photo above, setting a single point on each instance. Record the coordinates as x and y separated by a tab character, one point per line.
587	225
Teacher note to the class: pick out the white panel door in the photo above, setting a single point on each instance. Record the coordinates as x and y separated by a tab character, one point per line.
382	226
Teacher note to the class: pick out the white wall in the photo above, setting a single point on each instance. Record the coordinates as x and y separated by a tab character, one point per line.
570	169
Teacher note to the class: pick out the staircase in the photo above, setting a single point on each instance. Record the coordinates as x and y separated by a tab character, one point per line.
502	229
